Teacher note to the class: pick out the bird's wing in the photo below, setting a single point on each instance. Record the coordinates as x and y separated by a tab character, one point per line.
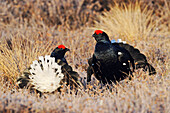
139	58
126	62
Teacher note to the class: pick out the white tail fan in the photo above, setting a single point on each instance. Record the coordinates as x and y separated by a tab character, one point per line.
46	74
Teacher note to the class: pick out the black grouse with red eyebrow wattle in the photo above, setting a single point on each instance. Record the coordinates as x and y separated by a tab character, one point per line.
112	62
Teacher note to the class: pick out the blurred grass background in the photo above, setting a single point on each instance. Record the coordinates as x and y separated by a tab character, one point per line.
33	28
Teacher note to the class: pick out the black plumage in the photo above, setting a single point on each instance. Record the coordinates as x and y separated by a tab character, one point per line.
59	53
70	77
113	62
139	58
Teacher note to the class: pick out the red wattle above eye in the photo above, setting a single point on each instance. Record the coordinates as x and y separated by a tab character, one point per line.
98	32
61	46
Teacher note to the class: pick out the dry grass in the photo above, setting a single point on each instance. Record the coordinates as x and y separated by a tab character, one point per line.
149	94
133	22
20	46
21	42
65	14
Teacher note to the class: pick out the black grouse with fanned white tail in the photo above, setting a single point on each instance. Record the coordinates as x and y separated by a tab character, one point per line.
49	73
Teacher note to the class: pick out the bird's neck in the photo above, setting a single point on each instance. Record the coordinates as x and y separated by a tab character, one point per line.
102	46
59	57
104	41
104	50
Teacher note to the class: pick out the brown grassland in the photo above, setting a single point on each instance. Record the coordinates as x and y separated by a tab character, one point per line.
33	28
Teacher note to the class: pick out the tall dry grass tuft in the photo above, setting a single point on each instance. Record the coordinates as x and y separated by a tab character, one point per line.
19	46
134	21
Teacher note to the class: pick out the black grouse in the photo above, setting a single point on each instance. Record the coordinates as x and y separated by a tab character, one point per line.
113	62
50	75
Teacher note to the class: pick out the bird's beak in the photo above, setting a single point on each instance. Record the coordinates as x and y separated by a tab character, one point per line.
93	35
67	49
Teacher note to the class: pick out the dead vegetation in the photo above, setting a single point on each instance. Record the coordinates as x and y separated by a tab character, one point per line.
33	28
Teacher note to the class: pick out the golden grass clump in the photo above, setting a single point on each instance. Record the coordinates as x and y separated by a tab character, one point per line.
19	47
134	21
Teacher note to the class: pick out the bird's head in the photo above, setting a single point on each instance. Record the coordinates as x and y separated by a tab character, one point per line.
100	35
59	51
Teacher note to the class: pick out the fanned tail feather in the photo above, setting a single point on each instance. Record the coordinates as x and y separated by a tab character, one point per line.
151	69
44	75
